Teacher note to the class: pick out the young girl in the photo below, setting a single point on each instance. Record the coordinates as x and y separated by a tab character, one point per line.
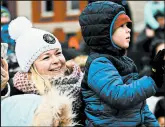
43	65
113	94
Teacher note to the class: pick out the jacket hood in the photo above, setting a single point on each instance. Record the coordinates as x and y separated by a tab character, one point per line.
97	21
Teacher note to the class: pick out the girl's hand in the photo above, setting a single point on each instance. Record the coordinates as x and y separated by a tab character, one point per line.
4	73
56	123
69	65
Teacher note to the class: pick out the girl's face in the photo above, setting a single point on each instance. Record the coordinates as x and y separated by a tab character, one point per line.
51	63
121	36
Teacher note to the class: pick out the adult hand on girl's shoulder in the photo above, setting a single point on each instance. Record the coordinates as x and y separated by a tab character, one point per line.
4	73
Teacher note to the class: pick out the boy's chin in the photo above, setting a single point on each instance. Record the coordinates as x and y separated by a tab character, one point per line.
125	47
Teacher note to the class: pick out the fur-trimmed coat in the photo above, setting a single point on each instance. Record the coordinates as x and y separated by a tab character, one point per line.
51	109
55	109
69	85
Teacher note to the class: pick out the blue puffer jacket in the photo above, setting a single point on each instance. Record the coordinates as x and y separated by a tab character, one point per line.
112	93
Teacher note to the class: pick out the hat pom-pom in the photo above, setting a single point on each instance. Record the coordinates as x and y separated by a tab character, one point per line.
18	26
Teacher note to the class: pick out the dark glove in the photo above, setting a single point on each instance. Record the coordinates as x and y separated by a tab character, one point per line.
158	68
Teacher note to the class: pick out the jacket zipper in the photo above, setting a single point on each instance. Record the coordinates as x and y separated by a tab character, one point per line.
141	112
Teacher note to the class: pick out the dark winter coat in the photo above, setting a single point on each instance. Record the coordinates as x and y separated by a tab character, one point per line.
112	93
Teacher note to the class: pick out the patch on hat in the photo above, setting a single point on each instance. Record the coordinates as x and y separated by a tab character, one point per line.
49	38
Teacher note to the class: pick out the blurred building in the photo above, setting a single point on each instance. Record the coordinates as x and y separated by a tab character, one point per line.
57	17
61	17
137	8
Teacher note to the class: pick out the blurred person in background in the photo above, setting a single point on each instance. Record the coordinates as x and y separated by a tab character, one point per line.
76	44
70	53
73	42
5	38
154	26
157	44
150	10
72	48
160	112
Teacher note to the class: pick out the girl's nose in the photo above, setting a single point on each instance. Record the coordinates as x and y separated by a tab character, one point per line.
55	59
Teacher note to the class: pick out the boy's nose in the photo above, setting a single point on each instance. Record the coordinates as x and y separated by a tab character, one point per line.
128	30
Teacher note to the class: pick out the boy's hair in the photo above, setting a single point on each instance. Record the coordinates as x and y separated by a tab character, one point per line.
121	19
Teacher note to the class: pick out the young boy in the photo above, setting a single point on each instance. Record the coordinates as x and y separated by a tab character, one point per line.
112	92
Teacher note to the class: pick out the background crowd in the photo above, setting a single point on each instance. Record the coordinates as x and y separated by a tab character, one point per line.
142	49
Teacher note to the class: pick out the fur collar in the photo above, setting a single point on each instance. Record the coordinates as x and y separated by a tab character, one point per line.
55	109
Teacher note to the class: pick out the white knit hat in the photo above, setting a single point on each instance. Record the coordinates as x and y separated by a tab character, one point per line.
30	42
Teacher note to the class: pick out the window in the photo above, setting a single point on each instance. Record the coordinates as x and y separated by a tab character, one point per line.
47	8
73	7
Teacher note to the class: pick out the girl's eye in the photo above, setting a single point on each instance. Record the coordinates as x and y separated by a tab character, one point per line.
45	58
58	53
